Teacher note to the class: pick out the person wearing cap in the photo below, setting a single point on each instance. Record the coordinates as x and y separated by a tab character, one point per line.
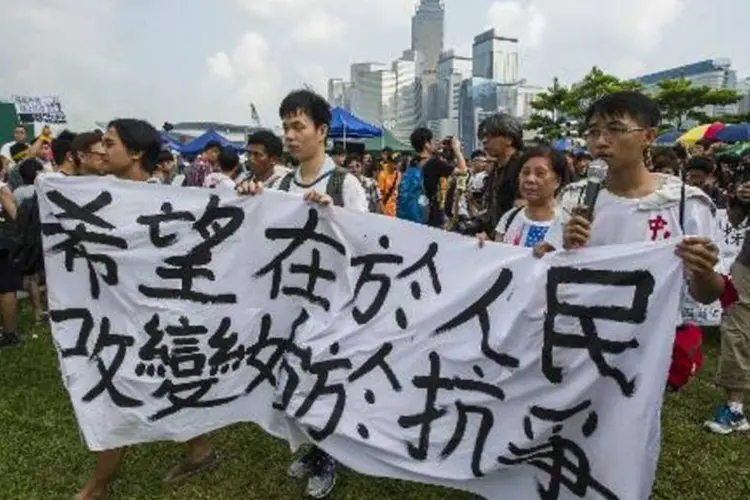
502	139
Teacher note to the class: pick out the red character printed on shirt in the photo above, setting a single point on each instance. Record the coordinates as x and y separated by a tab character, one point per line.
659	228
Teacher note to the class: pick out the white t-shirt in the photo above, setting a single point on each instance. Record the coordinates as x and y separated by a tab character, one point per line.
523	231
618	221
219	180
352	191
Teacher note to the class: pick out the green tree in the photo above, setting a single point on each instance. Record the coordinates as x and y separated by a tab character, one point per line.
595	85
548	118
558	106
680	100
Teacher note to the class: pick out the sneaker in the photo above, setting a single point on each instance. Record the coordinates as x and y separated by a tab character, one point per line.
323	477
303	466
9	339
727	421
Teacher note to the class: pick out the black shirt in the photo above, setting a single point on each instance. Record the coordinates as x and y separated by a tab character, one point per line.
502	191
432	171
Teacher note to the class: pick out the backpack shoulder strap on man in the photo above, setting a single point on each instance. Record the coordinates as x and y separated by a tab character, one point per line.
335	186
682	206
286	182
512	216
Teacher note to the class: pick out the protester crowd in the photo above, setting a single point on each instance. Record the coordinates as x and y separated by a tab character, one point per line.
509	192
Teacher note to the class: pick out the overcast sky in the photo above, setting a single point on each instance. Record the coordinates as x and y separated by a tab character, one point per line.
180	60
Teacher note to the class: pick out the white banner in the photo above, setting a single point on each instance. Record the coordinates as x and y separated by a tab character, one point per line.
730	242
401	350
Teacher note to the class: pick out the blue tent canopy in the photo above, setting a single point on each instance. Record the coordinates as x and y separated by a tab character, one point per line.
668	137
346	125
199	144
169	142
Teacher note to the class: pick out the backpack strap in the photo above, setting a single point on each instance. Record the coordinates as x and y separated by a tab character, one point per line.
286	182
682	206
512	216
335	187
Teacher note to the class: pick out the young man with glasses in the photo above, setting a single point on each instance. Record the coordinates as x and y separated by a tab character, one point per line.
636	205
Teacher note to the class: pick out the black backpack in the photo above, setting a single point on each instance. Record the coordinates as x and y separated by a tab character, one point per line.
28	255
334	188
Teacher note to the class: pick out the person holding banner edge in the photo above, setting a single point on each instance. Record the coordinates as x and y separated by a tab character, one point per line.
132	151
306	118
636	205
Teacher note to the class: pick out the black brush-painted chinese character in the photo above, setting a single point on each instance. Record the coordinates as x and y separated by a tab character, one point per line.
105	340
433	384
75	246
185	360
229	353
277	345
480	310
154	223
377	360
384	281
193	266
313	271
368	263
597	347
562	459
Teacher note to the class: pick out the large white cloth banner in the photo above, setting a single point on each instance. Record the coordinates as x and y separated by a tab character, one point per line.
403	351
730	241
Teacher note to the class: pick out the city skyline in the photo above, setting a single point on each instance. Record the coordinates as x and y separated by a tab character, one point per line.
257	50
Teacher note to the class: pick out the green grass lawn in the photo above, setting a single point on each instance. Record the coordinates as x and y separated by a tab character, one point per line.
42	456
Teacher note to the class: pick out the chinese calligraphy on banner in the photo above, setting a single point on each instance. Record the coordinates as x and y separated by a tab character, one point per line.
403	351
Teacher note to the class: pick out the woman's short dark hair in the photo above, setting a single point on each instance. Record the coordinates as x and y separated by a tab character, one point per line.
557	161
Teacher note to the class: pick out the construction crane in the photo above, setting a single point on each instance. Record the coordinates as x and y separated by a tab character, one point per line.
255	116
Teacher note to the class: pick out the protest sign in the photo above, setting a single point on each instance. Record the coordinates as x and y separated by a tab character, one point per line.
403	351
39	109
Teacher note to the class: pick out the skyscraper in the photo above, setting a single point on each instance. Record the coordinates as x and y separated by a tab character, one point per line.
495	57
428	30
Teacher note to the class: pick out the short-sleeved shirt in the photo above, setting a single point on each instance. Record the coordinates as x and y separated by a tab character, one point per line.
219	180
523	231
352	191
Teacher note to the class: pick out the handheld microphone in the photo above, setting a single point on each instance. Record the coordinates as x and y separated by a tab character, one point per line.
597	172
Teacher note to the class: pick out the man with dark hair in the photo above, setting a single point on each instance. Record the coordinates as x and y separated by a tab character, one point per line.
697	173
132	151
195	175
434	170
19	137
306	117
62	153
265	151
636	205
164	167
338	155
229	170
89	154
502	139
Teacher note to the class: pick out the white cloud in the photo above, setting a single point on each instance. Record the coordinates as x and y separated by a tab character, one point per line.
319	28
273	8
513	19
243	75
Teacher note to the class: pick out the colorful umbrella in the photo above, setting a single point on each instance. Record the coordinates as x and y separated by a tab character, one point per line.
668	138
734	133
713	129
701	132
